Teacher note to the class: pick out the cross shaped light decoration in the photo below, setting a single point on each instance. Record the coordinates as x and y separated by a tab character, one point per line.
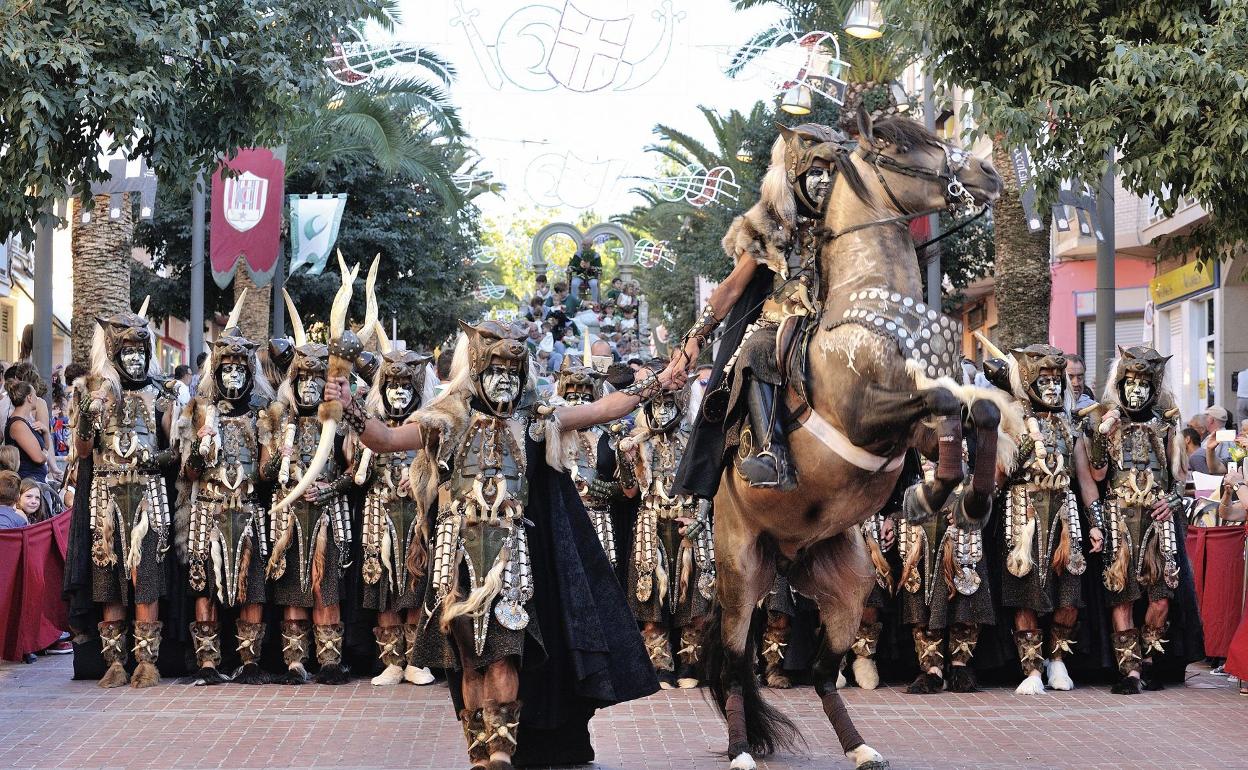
119	184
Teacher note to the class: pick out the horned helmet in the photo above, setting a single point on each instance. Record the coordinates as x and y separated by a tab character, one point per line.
577	384
233	367
803	145
498	362
664	412
1138	378
129	344
1042	376
309	364
398	379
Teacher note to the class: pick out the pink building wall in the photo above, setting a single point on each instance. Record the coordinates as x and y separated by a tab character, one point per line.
1074	276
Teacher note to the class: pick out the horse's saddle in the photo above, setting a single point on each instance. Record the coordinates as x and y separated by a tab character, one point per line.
922	334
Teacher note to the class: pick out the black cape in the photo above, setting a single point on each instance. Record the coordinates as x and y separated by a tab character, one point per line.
594	656
703	462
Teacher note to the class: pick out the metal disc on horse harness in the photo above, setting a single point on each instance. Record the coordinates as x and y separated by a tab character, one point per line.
966	581
511	615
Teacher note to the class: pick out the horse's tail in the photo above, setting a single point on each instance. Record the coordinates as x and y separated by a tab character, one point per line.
728	676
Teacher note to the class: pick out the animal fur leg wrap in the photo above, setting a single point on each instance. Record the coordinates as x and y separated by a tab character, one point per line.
1030	644
502	723
113	641
838	715
475	734
1061	641
147	641
962	640
250	635
690	651
927	648
294	641
1152	639
207	644
774	642
1126	650
868	639
409	640
328	643
390	644
658	649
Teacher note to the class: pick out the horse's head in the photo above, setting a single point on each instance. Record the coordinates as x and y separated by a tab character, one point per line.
910	170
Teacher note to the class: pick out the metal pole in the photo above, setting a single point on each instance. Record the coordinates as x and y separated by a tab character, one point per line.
1106	312
933	220
279	305
42	351
195	338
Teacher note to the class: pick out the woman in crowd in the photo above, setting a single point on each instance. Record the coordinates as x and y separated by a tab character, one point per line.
24	432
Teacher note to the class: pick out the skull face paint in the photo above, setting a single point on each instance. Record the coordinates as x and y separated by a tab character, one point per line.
398	397
1137	391
574	397
1049	386
308	390
232	378
500	384
664	412
132	361
817	182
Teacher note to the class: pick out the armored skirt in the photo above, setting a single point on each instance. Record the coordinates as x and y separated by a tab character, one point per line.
1047	529
306	572
1134	571
227	563
119	509
395	557
945	584
679	591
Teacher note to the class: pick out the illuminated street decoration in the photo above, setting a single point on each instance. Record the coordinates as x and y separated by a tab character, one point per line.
651	254
542	47
697	186
488	291
792	59
557	179
357	61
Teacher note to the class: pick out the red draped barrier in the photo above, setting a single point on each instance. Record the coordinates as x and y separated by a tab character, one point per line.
32	564
1217	556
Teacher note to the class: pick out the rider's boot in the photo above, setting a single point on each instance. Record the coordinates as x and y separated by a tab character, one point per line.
768	465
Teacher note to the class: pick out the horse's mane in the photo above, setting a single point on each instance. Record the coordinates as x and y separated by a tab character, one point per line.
898	131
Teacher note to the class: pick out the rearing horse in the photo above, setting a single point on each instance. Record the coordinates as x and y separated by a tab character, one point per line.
873	393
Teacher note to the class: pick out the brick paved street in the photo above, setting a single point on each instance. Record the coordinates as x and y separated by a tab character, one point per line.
48	721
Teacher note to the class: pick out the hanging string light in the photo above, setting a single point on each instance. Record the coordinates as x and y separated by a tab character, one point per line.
797	100
865	20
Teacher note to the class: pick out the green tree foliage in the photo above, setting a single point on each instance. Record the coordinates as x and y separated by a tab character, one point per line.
176	81
1163	82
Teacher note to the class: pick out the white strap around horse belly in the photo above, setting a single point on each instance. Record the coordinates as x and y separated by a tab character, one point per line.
840	444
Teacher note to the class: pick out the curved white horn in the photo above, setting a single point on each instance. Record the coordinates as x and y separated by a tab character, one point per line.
143	307
383	340
992	349
329	428
370	302
238	309
342	301
296	323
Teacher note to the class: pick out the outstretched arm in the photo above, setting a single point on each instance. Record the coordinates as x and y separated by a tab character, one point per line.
717	306
373	433
610	407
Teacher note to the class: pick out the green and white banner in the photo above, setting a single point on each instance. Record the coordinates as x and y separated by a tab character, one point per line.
314	221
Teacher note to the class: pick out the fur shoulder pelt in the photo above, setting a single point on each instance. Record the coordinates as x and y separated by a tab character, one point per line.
760	234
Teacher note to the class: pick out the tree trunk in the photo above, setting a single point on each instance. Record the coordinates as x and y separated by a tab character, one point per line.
254	320
1023	281
101	268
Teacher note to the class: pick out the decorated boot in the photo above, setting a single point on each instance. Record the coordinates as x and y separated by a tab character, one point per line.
250	637
775	640
412	673
1061	644
962	640
113	645
865	645
476	736
207	653
502	723
1030	644
1127	652
295	650
660	653
1152	642
146	651
690	655
390	643
927	648
329	654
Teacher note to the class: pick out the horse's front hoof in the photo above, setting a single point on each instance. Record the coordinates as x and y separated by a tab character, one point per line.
743	761
866	758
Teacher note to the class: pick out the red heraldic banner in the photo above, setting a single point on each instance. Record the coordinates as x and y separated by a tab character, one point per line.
247	215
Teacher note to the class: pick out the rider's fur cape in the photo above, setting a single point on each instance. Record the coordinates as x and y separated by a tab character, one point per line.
766	231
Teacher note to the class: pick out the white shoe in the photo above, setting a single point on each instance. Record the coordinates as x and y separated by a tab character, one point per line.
1059	677
866	673
418	675
392	675
1032	685
686	683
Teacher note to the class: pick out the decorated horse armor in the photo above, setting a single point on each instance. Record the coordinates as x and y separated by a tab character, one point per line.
394	532
1139	448
224	434
122	424
671	576
1042	528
